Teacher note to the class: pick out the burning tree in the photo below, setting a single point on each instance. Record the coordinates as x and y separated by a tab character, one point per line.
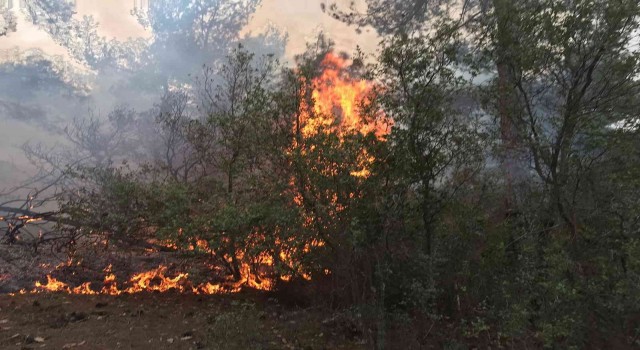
260	186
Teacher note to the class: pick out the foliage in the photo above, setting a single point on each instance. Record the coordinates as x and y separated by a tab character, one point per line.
546	262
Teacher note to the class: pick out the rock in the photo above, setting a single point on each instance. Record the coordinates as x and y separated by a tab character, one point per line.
187	334
76	316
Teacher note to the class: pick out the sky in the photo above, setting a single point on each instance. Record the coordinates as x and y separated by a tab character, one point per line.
304	18
301	19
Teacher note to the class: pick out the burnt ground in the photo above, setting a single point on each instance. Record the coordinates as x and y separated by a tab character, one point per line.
168	321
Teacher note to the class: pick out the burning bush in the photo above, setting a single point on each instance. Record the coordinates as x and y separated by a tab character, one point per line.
257	188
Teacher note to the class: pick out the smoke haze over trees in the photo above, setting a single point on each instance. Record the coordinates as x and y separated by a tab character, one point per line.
97	73
472	183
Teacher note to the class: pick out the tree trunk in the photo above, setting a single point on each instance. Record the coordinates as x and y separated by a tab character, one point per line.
507	103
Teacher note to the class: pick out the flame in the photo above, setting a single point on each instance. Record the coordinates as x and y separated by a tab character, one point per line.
337	99
84	288
110	285
53	285
155	280
336	102
158	280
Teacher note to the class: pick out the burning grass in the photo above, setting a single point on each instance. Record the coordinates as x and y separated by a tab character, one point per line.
155	280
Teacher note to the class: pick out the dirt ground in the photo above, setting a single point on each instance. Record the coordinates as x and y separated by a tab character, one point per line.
167	321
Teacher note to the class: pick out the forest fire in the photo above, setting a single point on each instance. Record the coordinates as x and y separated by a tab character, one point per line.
210	177
337	100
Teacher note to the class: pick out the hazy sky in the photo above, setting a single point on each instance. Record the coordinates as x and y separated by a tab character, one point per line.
302	19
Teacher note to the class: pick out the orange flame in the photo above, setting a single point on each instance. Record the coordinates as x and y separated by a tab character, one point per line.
336	102
155	280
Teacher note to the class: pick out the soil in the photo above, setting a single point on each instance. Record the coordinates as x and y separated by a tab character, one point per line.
167	321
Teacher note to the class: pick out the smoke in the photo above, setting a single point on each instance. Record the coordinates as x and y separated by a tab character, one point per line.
43	94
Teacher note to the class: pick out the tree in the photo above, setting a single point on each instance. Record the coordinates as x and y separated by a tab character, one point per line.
433	140
575	77
7	22
435	149
575	74
563	82
490	30
385	16
190	33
